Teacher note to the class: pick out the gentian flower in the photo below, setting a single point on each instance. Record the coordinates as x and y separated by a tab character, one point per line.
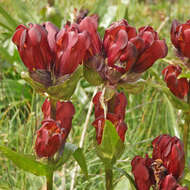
164	168
179	87
180	37
123	50
54	131
115	113
170	183
48	49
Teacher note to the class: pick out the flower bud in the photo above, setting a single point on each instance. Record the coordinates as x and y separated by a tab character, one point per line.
171	151
49	139
33	47
180	37
115	113
179	87
170	183
142	172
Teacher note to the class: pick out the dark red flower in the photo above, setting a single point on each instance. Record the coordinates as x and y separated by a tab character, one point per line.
179	87
90	25
171	151
44	47
141	169
165	167
54	131
49	139
71	47
150	50
33	47
128	51
115	113
170	183
64	113
180	37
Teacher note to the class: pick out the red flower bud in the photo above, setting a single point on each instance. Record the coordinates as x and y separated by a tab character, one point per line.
71	49
149	49
90	24
116	44
179	87
142	172
180	37
171	151
170	183
165	167
49	139
115	113
64	113
126	50
33	47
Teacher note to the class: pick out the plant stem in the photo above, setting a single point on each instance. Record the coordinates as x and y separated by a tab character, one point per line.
53	108
109	178
49	180
185	133
186	127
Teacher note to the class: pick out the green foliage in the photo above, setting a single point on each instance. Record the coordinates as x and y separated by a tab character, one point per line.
71	149
111	147
26	162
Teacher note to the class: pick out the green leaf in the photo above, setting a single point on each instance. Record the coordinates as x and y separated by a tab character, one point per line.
26	162
130	179
111	146
79	157
64	90
71	149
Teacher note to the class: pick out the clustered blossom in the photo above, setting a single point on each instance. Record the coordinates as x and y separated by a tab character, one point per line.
45	47
164	168
179	87
122	49
180	37
54	131
115	113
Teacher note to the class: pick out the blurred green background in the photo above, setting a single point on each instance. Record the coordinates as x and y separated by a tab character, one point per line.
148	113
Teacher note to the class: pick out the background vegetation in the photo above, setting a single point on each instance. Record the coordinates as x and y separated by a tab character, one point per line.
148	113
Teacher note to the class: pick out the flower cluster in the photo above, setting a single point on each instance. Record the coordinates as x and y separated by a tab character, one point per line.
180	37
54	52
164	168
55	128
115	113
123	49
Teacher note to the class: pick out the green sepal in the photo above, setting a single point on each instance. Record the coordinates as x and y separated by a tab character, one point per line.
92	76
38	87
111	147
27	162
76	152
64	90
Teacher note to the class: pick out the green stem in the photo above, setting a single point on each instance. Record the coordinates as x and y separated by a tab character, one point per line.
109	178
53	108
186	127
185	133
49	180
